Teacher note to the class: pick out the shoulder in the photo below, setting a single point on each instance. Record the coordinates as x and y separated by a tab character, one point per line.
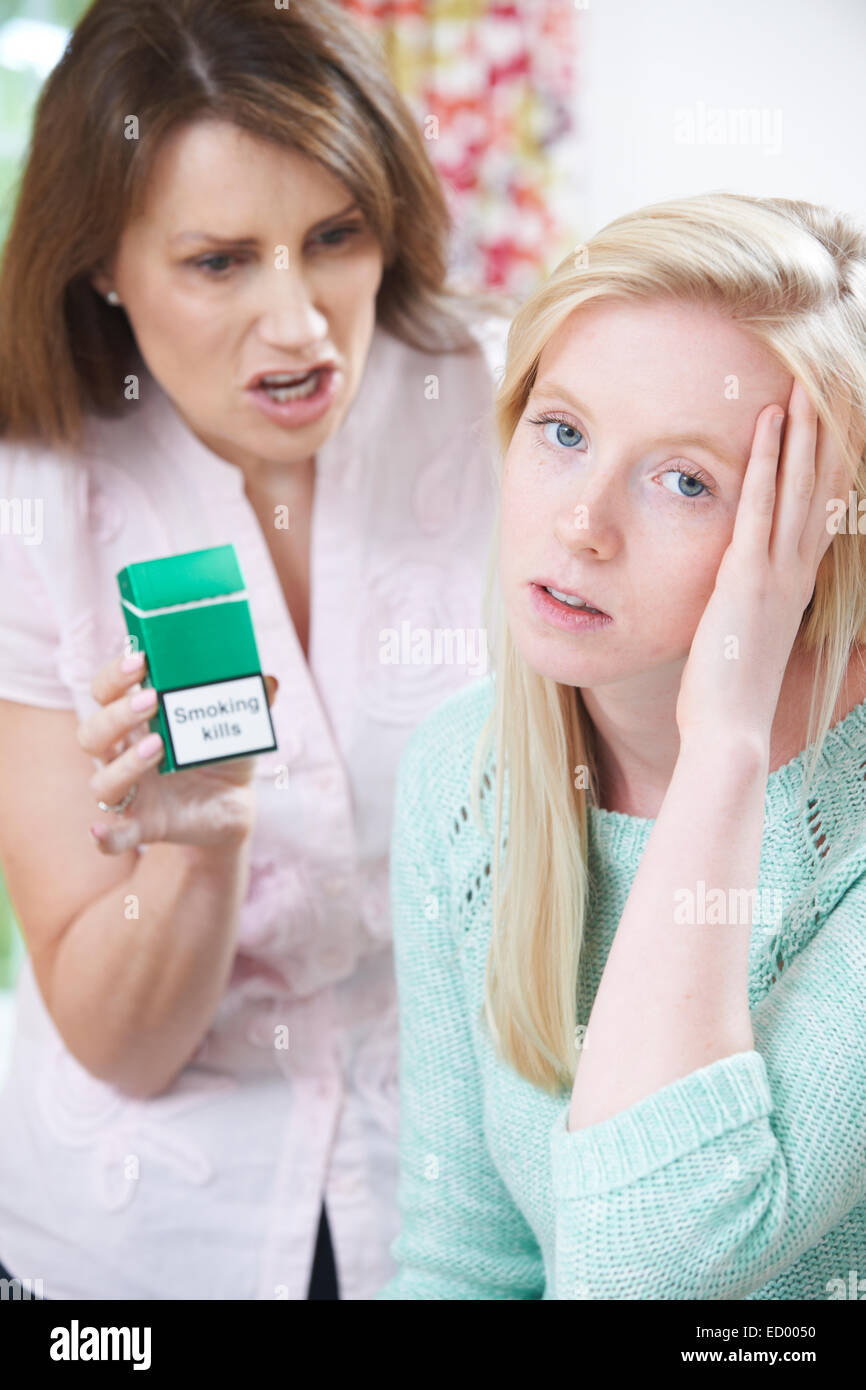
488	332
111	482
491	334
69	496
449	733
436	834
421	427
827	879
61	471
434	771
28	467
43	495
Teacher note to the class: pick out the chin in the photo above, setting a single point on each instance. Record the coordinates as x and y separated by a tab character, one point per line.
540	656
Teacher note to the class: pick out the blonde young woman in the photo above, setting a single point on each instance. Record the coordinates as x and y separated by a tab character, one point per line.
634	1060
202	1096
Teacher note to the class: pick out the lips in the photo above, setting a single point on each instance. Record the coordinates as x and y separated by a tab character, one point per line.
296	373
572	593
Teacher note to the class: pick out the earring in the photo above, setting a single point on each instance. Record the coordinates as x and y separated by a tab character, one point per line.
113	297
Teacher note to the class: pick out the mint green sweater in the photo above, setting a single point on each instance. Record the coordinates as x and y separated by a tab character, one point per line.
744	1179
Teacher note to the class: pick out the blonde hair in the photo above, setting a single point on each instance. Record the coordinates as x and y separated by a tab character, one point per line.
794	276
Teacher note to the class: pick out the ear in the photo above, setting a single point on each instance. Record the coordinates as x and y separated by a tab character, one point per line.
102	281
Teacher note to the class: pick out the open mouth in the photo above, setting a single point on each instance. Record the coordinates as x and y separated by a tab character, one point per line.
569	601
285	386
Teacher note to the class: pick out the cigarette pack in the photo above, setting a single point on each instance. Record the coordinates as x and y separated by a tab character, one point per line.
190	616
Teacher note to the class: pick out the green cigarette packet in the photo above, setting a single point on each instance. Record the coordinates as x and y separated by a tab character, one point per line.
190	616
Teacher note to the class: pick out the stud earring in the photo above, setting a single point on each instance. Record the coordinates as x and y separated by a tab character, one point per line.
113	297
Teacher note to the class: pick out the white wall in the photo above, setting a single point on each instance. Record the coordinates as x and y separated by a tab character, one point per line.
799	66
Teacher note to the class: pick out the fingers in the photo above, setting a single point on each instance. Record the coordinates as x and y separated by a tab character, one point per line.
125	711
783	504
116	677
112	782
796	477
124	834
106	732
757	501
830	482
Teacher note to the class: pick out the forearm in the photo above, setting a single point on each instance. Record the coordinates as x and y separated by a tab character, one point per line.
674	994
133	995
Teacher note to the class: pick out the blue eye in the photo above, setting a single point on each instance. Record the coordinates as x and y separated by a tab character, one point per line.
690	478
565	434
568	436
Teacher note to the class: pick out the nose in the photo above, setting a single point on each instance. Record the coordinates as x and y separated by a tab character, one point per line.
590	514
290	318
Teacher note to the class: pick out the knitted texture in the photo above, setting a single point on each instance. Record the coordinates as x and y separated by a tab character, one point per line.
744	1179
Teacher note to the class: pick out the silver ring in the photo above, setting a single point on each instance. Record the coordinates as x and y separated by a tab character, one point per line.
121	805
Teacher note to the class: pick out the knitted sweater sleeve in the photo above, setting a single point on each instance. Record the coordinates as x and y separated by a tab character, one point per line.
462	1236
718	1181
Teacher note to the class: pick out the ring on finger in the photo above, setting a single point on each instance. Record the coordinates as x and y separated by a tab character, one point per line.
121	805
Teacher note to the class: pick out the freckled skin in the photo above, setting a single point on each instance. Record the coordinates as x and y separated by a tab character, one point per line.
652	543
647	555
204	333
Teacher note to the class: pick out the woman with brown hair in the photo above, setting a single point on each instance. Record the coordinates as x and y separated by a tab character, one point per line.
223	318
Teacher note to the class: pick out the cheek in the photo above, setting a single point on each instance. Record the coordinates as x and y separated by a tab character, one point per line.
174	314
346	295
523	529
520	497
351	285
674	583
511	538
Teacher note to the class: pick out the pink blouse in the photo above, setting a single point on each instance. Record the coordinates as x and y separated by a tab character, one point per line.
212	1189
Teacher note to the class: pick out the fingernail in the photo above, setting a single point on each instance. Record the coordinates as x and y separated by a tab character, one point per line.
777	422
132	662
148	746
142	699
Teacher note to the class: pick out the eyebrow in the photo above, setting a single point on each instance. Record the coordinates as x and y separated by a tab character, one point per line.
698	437
251	240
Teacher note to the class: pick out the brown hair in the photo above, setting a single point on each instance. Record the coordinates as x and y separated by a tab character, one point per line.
304	78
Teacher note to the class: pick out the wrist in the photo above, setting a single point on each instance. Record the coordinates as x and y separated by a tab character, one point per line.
226	851
738	752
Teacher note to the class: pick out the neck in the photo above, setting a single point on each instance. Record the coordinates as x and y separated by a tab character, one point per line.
262	476
636	747
267	479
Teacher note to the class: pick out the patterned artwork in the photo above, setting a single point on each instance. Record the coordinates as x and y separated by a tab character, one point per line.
493	85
